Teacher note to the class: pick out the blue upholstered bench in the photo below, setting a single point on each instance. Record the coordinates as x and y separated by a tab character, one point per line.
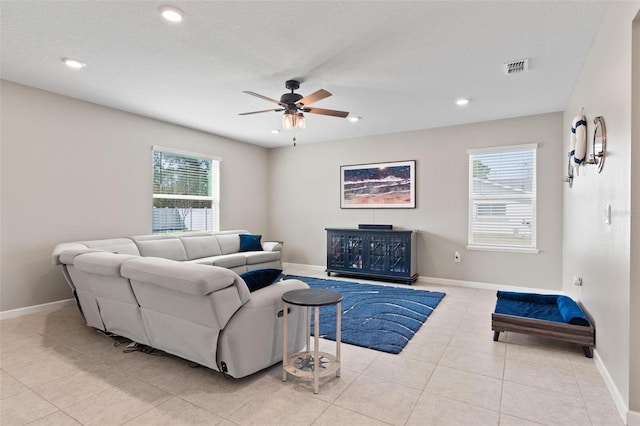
551	316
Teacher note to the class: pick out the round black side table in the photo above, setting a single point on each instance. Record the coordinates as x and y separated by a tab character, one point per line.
312	364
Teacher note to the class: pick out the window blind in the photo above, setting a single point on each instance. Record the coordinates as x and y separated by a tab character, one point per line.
185	191
502	197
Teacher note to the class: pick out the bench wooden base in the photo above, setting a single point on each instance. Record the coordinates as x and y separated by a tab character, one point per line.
582	335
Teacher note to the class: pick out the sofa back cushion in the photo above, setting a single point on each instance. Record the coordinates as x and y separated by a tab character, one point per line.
114	245
67	257
160	245
229	240
199	245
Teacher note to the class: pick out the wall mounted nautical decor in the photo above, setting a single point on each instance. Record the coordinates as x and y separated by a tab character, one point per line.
599	144
578	146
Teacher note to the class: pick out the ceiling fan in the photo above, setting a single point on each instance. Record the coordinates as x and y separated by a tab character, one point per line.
294	105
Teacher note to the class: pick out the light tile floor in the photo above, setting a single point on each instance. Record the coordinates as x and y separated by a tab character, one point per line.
54	370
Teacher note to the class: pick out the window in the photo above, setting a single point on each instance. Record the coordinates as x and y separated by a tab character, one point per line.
502	198
185	191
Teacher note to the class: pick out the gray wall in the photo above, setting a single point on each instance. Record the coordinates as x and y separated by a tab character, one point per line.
305	184
601	253
72	170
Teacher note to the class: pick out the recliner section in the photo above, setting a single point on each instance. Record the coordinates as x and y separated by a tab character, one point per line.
117	305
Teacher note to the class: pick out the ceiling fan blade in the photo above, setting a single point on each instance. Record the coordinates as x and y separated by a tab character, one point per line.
331	112
314	97
264	110
257	95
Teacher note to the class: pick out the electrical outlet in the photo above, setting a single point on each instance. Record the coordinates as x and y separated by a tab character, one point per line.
456	256
607	214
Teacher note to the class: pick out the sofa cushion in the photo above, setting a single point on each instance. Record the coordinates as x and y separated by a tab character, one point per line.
260	278
250	242
229	260
68	256
199	246
102	263
229	243
114	245
254	257
160	245
183	277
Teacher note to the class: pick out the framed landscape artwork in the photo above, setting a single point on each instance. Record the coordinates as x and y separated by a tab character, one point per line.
378	185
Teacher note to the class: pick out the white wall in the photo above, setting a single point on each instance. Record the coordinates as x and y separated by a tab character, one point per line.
305	184
598	252
72	170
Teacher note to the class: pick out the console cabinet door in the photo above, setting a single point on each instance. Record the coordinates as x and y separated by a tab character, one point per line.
399	253
377	261
336	251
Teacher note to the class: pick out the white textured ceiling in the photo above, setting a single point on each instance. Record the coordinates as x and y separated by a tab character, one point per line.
398	65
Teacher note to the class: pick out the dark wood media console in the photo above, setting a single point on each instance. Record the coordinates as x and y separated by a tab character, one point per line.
372	253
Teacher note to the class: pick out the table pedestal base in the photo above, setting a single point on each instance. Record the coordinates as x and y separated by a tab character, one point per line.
312	364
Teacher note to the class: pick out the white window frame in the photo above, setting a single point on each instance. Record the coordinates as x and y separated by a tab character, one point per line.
497	198
214	184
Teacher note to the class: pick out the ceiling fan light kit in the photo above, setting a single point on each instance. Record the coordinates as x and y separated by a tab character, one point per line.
294	105
291	120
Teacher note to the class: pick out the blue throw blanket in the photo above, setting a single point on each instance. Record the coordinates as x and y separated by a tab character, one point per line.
541	306
379	317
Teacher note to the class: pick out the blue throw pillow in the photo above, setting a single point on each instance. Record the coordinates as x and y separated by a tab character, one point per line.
259	278
249	242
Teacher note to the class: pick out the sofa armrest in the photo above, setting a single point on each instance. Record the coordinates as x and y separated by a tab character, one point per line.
272	294
259	324
272	245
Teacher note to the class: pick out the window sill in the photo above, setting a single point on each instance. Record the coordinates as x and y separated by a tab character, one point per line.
525	250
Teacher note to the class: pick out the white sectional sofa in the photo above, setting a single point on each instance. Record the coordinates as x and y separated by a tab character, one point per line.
221	248
182	294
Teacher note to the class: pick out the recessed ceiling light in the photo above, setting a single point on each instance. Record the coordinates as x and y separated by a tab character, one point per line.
354	119
462	101
171	14
73	63
275	131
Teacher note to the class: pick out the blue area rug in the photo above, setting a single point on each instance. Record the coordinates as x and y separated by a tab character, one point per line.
378	317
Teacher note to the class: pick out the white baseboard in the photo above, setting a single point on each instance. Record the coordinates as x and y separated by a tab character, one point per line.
441	281
618	400
303	266
13	313
633	418
485	286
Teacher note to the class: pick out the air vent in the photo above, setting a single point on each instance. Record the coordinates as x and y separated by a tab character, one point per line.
513	67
